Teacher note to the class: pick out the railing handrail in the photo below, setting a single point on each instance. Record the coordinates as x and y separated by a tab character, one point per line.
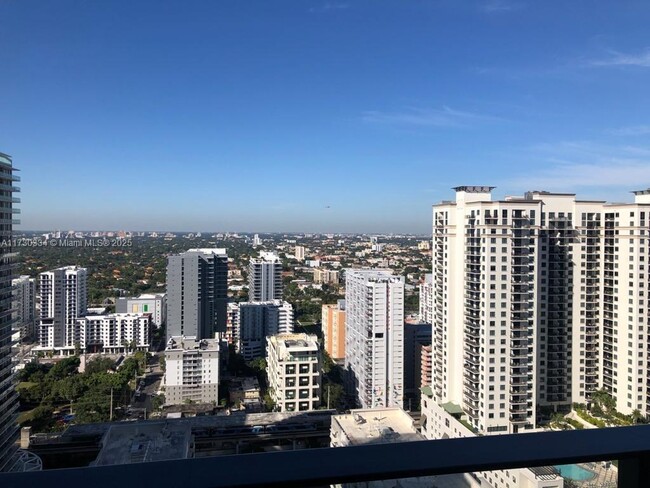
327	466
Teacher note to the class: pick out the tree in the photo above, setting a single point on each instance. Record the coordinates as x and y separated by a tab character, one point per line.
269	403
158	401
63	368
99	365
636	417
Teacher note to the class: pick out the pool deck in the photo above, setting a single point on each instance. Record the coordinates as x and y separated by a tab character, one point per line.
605	478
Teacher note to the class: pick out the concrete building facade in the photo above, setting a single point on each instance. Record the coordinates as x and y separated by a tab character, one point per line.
265	278
191	370
374	340
294	371
8	395
153	303
426	299
115	333
63	299
197	293
333	327
24	305
538	302
253	322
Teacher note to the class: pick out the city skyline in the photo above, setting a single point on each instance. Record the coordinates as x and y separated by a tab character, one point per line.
221	115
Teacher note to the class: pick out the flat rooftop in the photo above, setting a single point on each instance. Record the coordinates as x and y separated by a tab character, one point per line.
144	442
377	426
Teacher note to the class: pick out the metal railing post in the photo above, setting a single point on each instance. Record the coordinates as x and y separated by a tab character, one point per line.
634	472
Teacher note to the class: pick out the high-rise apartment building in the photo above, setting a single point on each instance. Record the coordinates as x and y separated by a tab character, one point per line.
64	299
374	337
538	301
299	253
24	305
8	396
253	322
265	278
294	371
333	327
153	303
191	370
426	299
197	293
416	336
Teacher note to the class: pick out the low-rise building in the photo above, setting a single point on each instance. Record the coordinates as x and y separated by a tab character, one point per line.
294	371
381	426
326	276
245	393
191	370
114	333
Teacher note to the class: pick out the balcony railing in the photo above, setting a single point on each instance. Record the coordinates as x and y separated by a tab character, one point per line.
318	467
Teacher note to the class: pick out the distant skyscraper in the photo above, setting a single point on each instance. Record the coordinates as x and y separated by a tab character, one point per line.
265	278
197	293
24	305
374	342
256	240
64	296
8	396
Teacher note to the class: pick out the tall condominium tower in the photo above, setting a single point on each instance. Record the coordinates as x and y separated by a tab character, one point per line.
63	296
529	304
374	337
24	298
253	322
265	278
8	396
197	293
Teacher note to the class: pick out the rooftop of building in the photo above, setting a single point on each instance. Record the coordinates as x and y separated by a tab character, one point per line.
219	251
186	343
248	383
377	425
144	442
288	344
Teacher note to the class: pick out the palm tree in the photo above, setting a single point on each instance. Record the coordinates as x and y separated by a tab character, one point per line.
636	416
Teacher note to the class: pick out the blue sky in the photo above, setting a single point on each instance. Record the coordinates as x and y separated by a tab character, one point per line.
258	115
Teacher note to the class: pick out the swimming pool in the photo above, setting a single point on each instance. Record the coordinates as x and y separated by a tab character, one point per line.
575	472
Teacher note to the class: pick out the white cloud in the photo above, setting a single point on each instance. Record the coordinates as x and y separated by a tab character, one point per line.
635	130
621	59
445	117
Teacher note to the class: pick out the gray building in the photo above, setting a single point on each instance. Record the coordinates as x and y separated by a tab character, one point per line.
416	335
255	321
265	278
24	305
197	293
8	396
155	304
